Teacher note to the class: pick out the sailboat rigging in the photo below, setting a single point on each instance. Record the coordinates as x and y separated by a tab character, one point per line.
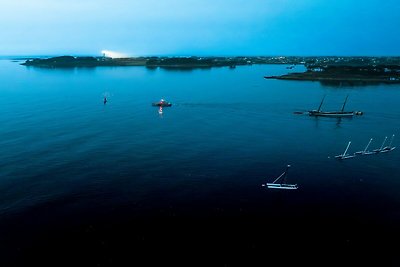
340	113
382	146
389	147
382	149
365	151
283	185
344	155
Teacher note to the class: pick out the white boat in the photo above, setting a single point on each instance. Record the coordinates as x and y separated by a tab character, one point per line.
284	185
344	155
389	147
378	150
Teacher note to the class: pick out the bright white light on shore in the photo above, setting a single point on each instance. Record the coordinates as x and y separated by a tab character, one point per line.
113	54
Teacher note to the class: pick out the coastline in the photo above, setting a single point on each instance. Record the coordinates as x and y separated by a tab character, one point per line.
206	61
325	78
352	73
333	70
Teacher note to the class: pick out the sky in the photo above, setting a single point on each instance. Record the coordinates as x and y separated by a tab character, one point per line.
201	27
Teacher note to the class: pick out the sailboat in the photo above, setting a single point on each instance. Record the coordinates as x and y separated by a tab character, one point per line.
382	146
365	151
340	113
344	155
283	185
389	147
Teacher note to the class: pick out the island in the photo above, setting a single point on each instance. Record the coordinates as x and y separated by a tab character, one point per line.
327	70
150	62
347	73
201	62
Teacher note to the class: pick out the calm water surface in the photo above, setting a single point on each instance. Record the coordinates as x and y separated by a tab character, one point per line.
66	159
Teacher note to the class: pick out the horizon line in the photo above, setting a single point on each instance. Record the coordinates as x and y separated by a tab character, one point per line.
194	55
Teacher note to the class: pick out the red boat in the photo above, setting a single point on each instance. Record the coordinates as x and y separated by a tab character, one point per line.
161	103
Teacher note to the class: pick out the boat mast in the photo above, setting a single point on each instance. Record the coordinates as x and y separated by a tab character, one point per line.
286	172
280	176
391	140
344	154
320	105
370	140
384	141
345	102
283	174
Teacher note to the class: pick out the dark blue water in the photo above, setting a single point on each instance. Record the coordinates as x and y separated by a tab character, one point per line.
75	171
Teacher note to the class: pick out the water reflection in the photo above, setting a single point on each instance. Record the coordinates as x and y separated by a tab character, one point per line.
351	84
62	70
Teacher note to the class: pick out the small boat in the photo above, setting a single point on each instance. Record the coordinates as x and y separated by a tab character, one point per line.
344	155
365	151
378	150
389	147
284	185
340	113
161	103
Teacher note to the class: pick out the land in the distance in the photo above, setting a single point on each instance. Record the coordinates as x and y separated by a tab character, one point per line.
348	72
328	70
150	62
198	62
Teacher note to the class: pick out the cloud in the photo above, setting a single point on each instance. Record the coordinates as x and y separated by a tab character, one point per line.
113	54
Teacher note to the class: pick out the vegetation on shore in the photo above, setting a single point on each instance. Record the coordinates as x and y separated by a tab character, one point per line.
356	74
151	62
194	61
352	70
72	62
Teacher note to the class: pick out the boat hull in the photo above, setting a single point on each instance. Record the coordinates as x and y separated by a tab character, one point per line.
387	149
365	153
331	114
282	186
161	104
347	157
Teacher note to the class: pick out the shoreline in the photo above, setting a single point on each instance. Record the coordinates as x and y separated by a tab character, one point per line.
348	79
328	70
338	72
205	62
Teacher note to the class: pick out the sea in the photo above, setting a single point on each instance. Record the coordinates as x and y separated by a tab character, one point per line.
83	183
